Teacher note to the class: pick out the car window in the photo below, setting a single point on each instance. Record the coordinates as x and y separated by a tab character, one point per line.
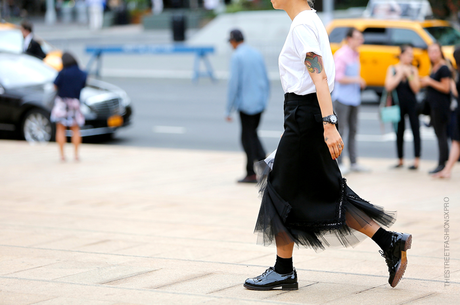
338	34
23	70
377	36
404	36
11	41
445	35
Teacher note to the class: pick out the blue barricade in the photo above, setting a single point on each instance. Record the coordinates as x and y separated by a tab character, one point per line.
200	55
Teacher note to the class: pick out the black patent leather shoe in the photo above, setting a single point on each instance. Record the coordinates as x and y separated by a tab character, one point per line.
271	279
248	179
395	256
436	170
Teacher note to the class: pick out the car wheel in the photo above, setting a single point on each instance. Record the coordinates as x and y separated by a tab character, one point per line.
37	127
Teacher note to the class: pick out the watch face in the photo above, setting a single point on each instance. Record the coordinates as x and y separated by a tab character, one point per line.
333	119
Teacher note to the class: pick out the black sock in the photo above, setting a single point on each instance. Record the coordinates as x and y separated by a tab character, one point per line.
283	265
382	238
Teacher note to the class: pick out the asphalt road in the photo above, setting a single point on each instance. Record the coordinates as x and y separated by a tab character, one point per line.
181	114
176	113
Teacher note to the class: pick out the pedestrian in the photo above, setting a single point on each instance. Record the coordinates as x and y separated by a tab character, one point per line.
96	13
403	78
454	154
305	199
30	45
347	95
438	96
248	92
66	111
157	6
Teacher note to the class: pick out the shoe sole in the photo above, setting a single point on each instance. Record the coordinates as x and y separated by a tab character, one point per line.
407	239
293	286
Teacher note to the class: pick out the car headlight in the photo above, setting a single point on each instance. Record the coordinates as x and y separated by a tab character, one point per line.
87	112
125	100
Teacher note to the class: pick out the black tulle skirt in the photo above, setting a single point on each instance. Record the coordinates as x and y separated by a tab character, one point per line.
304	197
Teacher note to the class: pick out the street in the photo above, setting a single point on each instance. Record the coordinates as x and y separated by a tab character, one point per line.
185	115
154	214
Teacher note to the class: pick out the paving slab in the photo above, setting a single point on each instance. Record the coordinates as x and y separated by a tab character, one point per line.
161	226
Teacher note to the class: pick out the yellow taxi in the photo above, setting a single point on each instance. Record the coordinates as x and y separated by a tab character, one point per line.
11	41
382	39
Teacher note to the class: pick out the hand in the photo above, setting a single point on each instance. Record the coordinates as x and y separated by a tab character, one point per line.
333	140
229	119
407	70
425	81
362	83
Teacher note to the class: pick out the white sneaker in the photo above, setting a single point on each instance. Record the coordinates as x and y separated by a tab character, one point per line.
359	168
343	169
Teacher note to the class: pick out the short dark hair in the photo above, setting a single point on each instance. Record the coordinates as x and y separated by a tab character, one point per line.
236	35
68	60
350	32
26	25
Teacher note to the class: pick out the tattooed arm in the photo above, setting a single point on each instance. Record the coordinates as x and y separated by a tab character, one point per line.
314	64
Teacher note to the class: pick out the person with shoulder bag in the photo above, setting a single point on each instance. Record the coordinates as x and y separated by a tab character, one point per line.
438	96
403	79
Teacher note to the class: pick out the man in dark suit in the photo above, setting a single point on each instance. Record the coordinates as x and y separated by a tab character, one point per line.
31	47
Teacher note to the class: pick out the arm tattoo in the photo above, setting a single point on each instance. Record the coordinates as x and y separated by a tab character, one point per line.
314	63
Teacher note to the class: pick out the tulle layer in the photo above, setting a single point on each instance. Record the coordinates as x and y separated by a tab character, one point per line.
273	215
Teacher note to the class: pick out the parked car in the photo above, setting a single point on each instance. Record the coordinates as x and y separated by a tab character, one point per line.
27	96
382	39
11	41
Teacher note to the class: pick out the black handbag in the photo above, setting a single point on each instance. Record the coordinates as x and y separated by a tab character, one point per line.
424	107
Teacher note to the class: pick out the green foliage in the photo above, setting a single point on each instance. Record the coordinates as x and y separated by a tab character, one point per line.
245	5
345	4
137	5
445	8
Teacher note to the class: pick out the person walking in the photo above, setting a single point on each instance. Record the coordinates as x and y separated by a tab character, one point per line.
30	45
438	95
66	111
454	154
347	94
403	77
96	13
305	199
248	92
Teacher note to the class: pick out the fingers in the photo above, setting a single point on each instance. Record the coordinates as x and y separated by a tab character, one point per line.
336	149
340	147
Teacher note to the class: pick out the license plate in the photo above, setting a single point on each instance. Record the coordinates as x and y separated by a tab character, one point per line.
115	121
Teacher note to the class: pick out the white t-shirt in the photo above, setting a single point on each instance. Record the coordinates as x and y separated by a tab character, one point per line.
307	34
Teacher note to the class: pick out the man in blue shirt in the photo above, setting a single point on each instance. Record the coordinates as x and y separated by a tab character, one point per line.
248	91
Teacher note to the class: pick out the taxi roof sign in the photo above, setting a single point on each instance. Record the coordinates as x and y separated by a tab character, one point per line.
398	9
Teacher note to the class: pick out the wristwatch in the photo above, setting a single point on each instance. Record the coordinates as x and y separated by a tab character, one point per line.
330	119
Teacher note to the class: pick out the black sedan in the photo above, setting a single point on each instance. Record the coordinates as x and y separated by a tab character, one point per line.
27	96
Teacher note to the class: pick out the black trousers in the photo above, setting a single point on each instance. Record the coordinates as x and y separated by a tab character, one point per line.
439	120
408	108
250	140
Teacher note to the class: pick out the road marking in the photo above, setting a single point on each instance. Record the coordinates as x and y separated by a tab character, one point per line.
269	133
372	116
169	129
425	134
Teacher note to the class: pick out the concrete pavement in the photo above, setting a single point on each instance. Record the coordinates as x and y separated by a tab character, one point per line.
160	226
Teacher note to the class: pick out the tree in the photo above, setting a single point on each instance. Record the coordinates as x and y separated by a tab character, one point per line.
445	8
